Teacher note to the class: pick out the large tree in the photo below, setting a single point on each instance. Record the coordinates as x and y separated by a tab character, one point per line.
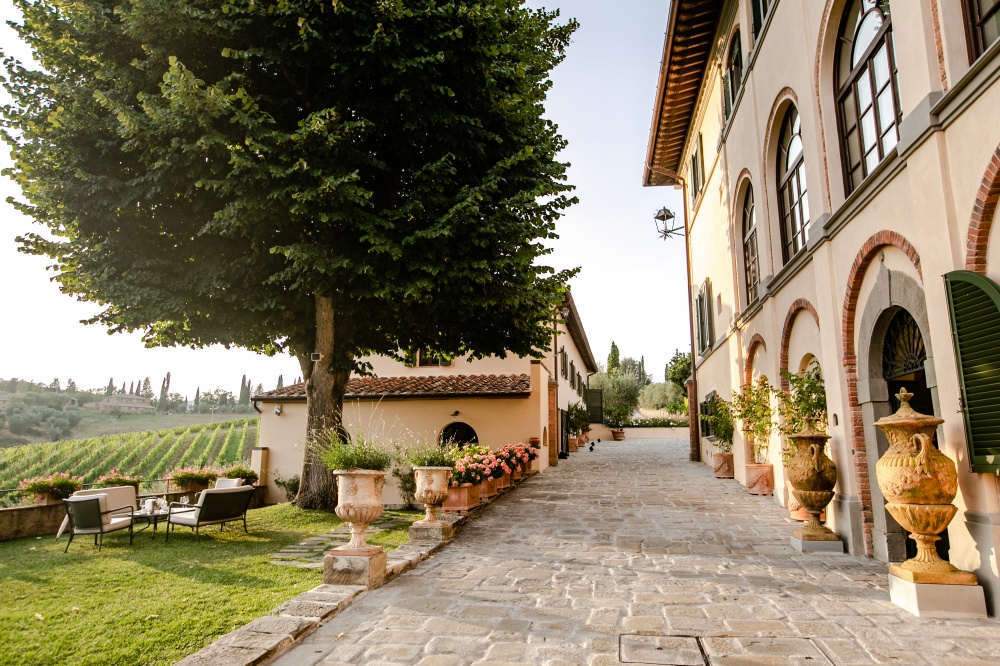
332	179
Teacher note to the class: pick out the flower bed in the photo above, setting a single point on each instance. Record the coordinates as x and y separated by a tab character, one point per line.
59	485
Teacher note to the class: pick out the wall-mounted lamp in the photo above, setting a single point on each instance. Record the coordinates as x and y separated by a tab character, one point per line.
454	413
315	357
277	410
663	220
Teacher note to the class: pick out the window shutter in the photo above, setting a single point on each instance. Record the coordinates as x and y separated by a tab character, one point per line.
709	316
697	323
974	302
595	405
727	100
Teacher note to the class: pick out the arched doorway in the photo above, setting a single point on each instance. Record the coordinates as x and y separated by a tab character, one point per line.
458	434
894	351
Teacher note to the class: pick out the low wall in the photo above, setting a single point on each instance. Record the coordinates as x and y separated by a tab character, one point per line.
33	520
601	431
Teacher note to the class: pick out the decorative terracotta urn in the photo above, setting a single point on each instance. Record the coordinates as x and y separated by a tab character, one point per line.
432	490
760	478
919	483
462	498
359	502
812	476
722	465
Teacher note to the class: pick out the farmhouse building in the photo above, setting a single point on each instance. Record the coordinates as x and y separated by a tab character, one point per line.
492	401
124	403
840	166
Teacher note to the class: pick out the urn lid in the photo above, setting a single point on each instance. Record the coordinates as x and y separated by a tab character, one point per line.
906	415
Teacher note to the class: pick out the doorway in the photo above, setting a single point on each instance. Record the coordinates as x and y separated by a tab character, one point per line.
458	434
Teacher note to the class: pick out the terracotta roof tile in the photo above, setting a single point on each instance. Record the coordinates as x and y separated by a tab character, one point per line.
417	387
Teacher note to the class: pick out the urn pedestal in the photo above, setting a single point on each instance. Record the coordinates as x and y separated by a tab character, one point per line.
919	483
359	502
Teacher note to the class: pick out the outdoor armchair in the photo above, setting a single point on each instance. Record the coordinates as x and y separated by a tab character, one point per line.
124	496
215	506
89	515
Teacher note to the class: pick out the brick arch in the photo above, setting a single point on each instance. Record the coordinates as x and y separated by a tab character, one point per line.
756	341
786	333
862	261
983	212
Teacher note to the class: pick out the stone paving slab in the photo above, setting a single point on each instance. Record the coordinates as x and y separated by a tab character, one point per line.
634	543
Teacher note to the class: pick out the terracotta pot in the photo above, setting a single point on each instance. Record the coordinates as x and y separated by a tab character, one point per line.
722	465
919	483
760	478
582	438
462	498
535	442
618	434
432	489
503	482
359	501
809	467
44	499
517	473
574	444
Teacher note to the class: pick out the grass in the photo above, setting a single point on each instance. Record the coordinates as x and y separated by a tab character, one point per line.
152	602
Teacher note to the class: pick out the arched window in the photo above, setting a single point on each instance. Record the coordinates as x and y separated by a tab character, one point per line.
866	89
732	78
751	264
792	202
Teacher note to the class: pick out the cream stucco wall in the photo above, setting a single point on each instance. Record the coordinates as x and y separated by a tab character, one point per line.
925	191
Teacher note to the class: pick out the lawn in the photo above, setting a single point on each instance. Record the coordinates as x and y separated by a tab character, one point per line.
152	602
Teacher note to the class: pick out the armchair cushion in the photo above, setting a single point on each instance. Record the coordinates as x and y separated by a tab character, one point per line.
228	483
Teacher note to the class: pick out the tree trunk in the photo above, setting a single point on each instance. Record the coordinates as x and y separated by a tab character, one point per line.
326	382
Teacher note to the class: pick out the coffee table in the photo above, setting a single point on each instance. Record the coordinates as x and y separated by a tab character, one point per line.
150	518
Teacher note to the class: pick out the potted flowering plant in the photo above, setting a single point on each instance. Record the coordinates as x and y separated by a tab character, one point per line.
508	461
249	476
467	476
51	489
360	467
117	478
193	479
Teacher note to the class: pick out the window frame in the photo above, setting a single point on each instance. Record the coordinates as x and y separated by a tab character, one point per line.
759	10
703	314
731	84
751	255
792	241
697	170
864	69
974	20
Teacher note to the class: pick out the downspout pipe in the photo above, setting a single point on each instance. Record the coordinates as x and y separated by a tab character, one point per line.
694	418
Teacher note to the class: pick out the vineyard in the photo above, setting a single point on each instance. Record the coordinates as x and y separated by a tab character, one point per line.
150	454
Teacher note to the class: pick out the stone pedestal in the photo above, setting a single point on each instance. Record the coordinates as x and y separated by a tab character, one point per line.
937	600
816	546
356	566
427	530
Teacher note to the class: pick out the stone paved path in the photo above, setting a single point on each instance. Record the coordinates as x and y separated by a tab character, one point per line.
632	554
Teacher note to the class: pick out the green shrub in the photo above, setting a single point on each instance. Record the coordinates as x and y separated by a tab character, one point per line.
578	418
656	423
185	475
620	395
721	420
360	454
289	485
662	395
752	406
241	472
429	455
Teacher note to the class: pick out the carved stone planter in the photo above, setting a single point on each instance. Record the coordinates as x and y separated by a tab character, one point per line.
462	498
44	499
432	490
812	476
722	465
919	483
760	478
359	502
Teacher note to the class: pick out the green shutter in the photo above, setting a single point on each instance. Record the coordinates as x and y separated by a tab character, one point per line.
595	405
974	302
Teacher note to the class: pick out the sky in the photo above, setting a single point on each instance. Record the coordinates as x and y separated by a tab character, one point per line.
631	287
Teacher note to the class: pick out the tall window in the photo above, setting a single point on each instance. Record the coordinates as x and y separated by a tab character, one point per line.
697	177
792	202
751	265
703	319
866	83
983	19
732	78
759	9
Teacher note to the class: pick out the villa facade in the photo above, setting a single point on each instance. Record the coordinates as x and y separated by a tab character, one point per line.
124	403
839	162
492	401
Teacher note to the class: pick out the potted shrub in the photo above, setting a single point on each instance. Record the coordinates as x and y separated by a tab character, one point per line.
467	476
249	476
432	467
752	406
193	480
117	478
721	420
616	418
51	489
578	424
621	397
802	409
360	468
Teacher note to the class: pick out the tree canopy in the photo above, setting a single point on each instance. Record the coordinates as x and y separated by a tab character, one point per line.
342	179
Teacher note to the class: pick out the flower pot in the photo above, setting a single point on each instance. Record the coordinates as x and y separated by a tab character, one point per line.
574	444
760	478
359	502
919	483
44	499
518	471
462	498
722	465
432	490
618	434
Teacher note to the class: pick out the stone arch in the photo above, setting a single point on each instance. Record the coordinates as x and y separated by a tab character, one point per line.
869	250
785	97
983	212
459	433
756	342
786	334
